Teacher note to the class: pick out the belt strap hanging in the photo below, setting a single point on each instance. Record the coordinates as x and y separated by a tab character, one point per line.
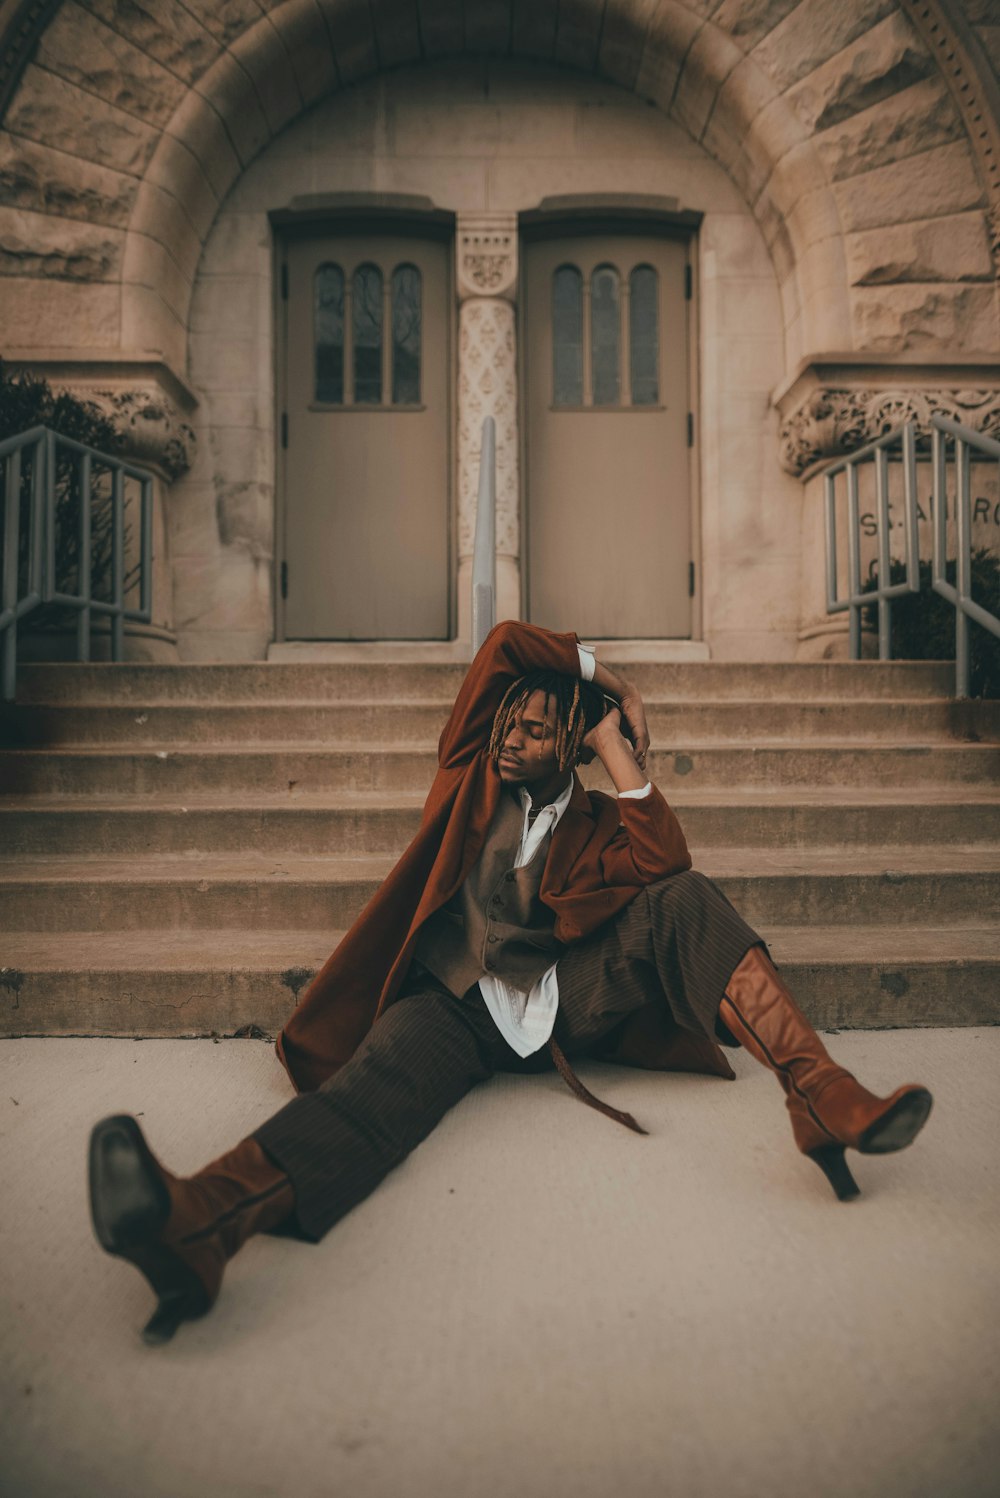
574	1083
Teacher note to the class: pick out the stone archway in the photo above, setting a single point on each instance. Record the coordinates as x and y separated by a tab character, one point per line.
863	139
161	117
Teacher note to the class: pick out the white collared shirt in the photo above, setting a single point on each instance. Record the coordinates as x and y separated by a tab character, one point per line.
525	1020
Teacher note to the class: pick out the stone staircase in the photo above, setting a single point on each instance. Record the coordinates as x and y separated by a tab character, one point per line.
182	846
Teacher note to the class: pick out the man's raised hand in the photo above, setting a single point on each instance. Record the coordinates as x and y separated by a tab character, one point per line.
616	752
634	713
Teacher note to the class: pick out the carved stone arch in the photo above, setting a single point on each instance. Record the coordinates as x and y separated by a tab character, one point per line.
289	59
142	148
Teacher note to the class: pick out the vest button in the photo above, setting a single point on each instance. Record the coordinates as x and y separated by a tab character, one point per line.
490	966
493	938
510	878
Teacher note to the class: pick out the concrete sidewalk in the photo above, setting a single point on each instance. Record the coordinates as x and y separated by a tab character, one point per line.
537	1304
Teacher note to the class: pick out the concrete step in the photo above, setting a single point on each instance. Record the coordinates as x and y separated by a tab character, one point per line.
901	886
355	767
371	823
257	682
394	723
194	983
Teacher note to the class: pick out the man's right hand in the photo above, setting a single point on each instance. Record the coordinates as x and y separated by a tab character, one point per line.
616	752
634	712
632	708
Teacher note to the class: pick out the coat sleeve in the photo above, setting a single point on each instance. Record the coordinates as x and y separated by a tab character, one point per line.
510	650
650	846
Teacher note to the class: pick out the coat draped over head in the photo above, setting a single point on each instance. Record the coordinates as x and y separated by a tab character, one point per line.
603	852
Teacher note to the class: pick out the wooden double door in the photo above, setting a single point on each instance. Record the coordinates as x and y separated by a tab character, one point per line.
367	372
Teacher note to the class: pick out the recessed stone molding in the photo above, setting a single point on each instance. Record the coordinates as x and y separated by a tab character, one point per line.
973	84
487	255
834	403
993	230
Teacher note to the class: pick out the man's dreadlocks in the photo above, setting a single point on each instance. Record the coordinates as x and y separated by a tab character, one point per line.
579	705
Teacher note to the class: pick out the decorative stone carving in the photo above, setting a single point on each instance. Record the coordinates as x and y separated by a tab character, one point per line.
831	422
993	230
967	72
487	255
150	424
487	387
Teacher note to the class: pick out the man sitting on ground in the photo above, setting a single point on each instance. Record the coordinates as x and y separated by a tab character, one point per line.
528	921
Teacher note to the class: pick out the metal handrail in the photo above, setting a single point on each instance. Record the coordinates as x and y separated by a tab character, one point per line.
879	453
942	427
41	446
484	550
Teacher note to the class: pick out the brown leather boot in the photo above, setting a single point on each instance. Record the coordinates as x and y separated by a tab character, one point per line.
829	1108
179	1231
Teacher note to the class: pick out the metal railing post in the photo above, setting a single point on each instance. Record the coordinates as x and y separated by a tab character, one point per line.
83	580
117	564
855	600
11	540
853	560
484	559
966	442
963	566
43	580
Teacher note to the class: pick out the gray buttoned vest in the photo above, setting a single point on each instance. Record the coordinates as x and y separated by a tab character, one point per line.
495	924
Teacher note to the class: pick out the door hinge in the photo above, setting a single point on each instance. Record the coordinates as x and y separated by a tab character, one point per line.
690	429
688	283
284	579
690	579
284	428
284	281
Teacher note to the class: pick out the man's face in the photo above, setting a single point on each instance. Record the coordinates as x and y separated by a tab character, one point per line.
528	753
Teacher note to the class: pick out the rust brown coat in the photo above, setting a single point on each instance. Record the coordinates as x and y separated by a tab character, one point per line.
603	852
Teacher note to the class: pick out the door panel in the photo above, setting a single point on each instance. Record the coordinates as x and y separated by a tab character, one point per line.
366	466
608	506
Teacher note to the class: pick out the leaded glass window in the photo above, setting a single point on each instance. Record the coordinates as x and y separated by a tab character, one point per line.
567	337
329	333
366	328
406	336
644	339
605	324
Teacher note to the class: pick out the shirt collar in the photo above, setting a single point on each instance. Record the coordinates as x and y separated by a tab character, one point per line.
557	807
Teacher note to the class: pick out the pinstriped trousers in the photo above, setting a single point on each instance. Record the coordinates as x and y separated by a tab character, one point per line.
676	944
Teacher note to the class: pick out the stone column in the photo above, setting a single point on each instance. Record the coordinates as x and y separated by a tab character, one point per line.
486	281
835	405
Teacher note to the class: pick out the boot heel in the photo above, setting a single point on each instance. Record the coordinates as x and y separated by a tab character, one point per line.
176	1304
830	1159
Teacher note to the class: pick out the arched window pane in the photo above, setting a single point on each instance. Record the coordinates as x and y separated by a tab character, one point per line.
644	336
605	329
406	336
329	334
366	325
567	337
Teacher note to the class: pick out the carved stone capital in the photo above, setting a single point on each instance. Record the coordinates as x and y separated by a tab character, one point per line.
832	404
146	400
487	255
833	422
149	423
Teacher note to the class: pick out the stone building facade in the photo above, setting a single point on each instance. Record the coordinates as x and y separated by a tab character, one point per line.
819	181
